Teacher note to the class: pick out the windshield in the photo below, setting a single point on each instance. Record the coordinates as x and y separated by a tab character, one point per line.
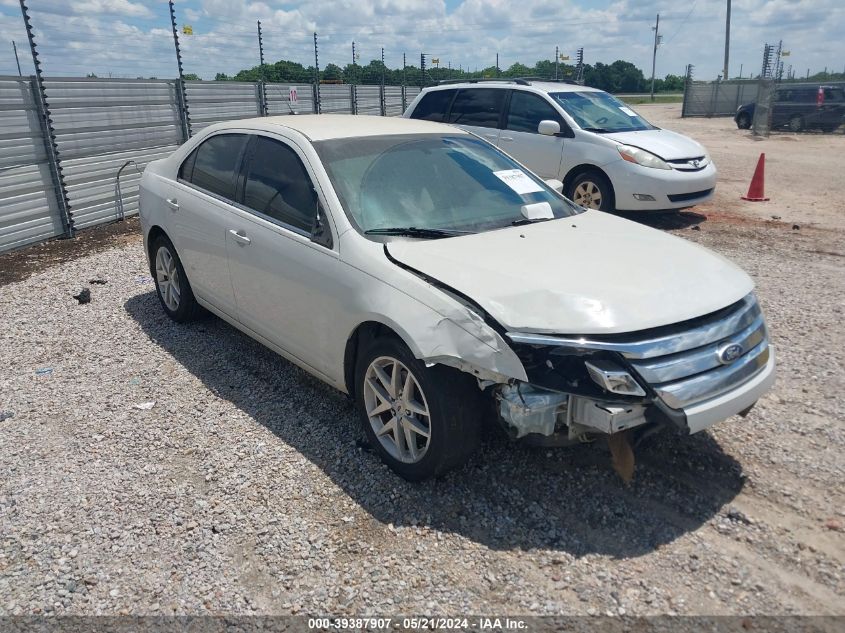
600	112
447	182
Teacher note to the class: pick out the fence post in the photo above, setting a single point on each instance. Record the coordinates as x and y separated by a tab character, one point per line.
353	96
382	102
317	107
404	83
262	85
46	122
182	94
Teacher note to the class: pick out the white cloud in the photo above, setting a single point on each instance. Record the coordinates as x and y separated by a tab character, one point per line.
99	34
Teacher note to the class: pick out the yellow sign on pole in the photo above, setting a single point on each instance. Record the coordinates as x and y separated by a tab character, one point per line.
564	58
435	60
187	30
785	53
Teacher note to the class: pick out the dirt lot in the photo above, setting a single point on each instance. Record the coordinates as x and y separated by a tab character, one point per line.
246	489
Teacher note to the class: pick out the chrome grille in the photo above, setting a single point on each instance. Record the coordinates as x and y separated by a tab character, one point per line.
683	363
696	163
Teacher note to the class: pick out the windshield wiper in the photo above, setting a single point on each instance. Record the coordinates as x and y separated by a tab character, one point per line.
522	221
413	231
597	130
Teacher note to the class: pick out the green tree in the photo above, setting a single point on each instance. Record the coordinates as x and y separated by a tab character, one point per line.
332	72
192	77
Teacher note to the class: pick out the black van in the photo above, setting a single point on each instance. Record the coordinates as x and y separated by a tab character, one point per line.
800	107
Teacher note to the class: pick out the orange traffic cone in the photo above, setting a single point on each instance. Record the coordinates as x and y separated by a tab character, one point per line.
758	182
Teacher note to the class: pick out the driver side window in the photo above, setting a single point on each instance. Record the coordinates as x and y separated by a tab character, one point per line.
278	186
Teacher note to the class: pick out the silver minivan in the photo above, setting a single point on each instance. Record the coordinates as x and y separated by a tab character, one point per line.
606	154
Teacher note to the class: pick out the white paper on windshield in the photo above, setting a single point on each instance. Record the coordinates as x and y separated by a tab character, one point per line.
518	180
627	111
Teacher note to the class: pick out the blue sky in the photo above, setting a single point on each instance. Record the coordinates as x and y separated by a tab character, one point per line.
132	37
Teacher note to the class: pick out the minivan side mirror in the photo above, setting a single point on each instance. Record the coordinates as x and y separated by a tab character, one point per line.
549	128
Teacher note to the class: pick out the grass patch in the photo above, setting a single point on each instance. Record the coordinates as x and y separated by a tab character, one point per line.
640	100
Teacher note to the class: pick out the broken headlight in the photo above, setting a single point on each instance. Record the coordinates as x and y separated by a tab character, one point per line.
613	378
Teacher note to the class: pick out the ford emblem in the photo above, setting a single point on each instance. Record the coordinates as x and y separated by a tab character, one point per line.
729	353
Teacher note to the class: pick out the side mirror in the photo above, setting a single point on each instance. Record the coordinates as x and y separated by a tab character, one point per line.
549	128
555	184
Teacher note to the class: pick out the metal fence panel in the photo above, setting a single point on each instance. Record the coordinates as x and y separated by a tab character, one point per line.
102	123
722	98
393	100
214	101
336	99
278	99
369	100
29	210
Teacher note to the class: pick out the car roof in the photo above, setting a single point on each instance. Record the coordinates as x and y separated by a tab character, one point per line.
530	86
321	127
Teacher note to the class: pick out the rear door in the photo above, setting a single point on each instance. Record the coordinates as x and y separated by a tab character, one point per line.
201	213
479	110
520	138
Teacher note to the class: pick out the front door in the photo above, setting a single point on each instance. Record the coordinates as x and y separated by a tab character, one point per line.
285	283
520	138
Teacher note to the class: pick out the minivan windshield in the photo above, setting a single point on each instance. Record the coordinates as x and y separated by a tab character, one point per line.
434	185
600	112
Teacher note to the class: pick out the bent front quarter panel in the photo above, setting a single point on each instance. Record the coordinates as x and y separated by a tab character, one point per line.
436	327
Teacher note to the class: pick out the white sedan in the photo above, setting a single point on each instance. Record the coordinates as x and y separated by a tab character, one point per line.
428	275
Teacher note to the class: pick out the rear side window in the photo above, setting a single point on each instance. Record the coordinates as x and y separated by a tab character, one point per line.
278	186
478	106
216	164
527	110
434	106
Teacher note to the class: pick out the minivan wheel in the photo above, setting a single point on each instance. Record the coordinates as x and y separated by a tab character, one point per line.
796	123
743	121
423	421
592	190
174	291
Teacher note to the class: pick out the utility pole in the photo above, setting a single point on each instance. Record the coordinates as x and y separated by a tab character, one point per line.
353	62
727	41
17	61
497	64
557	60
740	71
654	55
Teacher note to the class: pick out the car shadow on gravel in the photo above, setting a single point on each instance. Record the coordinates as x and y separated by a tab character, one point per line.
666	221
508	497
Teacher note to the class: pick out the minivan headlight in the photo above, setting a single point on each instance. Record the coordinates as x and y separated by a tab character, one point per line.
641	157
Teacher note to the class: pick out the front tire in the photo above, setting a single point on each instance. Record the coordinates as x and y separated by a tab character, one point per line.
422	421
592	190
743	121
796	123
172	286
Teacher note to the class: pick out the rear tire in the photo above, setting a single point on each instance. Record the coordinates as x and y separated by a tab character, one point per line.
743	121
592	190
172	286
423	421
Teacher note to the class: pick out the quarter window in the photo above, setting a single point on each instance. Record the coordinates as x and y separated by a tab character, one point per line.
478	106
527	110
278	186
216	164
434	106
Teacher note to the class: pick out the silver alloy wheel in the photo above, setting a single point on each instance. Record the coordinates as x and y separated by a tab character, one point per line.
167	277
796	123
588	195
397	409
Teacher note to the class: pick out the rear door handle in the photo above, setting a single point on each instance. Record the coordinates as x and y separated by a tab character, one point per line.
506	138
491	135
171	202
240	237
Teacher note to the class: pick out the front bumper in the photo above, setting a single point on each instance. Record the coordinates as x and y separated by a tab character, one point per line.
670	188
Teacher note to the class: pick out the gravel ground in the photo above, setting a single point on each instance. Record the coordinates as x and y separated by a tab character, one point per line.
245	489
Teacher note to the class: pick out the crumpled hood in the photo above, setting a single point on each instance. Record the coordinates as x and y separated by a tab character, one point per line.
668	145
590	273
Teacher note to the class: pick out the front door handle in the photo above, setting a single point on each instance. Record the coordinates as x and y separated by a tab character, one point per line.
506	138
491	135
240	237
171	202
